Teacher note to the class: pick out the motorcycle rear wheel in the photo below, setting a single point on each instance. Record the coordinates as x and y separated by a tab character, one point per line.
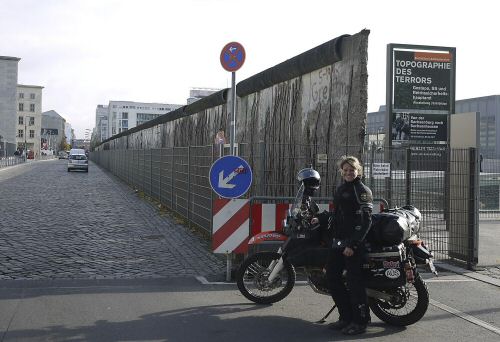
252	282
408	307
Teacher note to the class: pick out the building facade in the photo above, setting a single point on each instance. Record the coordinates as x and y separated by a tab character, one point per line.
198	93
29	118
101	122
489	125
69	133
123	115
52	132
8	105
489	122
375	127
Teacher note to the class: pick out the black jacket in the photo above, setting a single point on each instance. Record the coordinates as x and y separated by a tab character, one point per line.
353	204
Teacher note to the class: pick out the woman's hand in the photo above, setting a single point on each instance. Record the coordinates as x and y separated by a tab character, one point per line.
348	251
314	220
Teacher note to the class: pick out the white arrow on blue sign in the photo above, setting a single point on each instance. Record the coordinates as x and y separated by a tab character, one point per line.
230	176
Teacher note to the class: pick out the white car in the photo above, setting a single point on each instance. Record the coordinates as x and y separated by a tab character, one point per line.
78	162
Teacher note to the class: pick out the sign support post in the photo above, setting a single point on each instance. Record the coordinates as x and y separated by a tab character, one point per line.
233	109
232	58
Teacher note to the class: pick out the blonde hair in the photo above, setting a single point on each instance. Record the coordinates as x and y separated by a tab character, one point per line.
353	162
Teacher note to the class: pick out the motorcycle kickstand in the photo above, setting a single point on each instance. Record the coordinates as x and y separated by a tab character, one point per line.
323	320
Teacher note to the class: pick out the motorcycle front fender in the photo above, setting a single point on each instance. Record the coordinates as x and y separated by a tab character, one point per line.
266	237
266	241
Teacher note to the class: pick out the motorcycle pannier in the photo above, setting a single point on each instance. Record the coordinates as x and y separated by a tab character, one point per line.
389	228
384	267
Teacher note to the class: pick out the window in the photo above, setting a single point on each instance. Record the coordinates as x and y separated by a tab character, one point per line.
32	96
32	120
124	115
21	106
21	95
125	123
20	133
32	107
32	133
21	120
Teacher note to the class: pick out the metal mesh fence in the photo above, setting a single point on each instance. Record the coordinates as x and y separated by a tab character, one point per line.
178	177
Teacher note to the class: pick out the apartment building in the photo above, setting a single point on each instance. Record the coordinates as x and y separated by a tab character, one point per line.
29	118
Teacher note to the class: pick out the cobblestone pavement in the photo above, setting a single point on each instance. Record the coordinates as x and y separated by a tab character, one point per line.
56	224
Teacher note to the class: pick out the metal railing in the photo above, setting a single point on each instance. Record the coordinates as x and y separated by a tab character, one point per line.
11	161
178	177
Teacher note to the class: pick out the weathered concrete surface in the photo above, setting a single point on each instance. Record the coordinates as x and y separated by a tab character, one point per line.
319	111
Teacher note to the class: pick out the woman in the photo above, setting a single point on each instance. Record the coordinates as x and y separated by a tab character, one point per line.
352	219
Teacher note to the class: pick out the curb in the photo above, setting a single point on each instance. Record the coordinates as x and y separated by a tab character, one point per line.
469	274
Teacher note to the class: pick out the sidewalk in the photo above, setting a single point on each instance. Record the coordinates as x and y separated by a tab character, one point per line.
489	243
487	275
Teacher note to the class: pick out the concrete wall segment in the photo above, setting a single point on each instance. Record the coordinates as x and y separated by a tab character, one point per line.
323	107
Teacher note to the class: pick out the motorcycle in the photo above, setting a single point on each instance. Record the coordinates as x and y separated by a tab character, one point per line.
396	292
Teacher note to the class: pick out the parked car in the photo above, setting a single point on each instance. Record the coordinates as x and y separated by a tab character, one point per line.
78	162
63	155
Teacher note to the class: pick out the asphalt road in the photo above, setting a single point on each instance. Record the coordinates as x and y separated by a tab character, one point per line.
184	309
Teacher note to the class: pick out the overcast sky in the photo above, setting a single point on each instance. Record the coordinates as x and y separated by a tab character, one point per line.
88	52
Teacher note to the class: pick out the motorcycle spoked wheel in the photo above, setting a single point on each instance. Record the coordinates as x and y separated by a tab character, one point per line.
408	306
252	282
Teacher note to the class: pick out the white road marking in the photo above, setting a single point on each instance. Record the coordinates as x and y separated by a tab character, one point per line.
465	316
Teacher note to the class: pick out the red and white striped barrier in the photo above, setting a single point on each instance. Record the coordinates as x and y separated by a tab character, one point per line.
230	225
231	222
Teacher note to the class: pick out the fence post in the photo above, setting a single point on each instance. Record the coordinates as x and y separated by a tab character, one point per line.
388	180
159	175
172	178
212	196
372	157
189	186
144	171
408	176
473	212
151	173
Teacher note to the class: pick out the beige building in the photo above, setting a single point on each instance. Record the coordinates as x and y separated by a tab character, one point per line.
29	118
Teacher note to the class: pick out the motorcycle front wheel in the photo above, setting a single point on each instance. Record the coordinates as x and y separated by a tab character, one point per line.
253	283
407	306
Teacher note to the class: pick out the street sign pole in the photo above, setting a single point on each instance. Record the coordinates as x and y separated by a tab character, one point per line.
233	107
232	58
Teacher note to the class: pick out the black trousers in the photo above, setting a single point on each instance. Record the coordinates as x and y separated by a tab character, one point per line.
351	301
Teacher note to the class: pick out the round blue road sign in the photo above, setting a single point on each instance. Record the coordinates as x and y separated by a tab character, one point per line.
232	56
230	176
